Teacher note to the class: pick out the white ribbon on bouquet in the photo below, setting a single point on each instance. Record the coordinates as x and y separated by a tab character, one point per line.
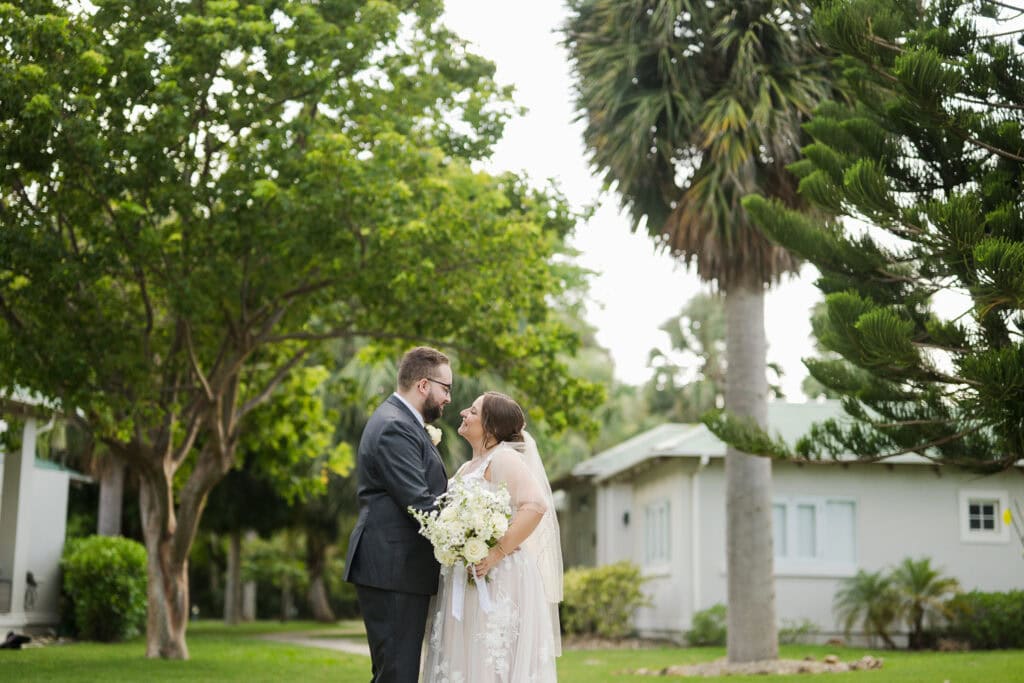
459	593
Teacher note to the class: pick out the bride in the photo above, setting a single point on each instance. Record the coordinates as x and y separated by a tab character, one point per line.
517	639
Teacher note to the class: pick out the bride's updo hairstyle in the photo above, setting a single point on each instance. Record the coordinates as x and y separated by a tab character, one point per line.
501	418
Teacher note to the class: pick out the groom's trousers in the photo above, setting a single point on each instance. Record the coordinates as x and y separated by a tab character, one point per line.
395	623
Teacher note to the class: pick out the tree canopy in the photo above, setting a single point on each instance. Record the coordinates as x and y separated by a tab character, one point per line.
923	170
195	194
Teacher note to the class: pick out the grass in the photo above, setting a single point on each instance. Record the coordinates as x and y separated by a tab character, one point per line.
222	653
606	666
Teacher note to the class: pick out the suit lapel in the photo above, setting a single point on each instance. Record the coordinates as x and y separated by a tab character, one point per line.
407	412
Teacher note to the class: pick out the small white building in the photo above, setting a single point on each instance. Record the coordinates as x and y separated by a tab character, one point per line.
658	500
33	521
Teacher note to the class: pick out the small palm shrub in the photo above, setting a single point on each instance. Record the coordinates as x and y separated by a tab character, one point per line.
105	578
914	592
871	599
601	600
923	597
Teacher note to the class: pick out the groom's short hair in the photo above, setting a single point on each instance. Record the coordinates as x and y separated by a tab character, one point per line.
419	363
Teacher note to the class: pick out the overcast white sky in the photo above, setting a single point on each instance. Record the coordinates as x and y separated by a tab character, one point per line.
635	290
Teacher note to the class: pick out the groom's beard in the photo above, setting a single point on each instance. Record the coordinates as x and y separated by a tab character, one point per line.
431	410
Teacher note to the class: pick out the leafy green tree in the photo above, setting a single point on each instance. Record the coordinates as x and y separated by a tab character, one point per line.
923	596
689	106
871	599
194	195
924	170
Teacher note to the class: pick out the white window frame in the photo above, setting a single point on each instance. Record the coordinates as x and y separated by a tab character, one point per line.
657	551
790	564
1001	534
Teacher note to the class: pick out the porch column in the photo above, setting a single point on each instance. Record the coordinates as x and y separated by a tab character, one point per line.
14	515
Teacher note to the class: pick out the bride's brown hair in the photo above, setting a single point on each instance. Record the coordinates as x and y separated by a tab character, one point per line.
501	418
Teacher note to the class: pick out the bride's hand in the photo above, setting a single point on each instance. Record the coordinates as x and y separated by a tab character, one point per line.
485	565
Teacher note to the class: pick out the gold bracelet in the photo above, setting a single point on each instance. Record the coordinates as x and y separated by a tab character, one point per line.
498	544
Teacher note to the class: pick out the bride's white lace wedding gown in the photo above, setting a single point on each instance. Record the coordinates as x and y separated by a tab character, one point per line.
517	642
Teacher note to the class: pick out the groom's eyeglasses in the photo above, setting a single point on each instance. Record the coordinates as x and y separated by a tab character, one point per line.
447	387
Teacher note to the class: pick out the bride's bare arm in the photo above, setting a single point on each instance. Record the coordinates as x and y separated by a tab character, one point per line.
528	506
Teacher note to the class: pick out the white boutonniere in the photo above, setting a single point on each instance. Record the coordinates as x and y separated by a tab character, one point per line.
434	433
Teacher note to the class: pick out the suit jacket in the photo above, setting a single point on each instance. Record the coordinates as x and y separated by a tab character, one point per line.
396	467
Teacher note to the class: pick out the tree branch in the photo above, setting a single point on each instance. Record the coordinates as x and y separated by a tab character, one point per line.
195	363
278	377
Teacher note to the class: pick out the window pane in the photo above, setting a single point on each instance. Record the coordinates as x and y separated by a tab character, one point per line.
982	515
840	532
656	533
779	530
806	531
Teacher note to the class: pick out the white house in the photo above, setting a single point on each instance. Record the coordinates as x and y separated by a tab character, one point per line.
658	500
33	520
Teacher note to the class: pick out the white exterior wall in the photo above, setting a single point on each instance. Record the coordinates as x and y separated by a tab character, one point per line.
900	511
49	528
666	583
614	540
48	519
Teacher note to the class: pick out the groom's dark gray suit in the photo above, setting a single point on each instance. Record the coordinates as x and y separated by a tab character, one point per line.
392	566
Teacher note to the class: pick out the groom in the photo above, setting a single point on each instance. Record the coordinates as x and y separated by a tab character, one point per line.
397	466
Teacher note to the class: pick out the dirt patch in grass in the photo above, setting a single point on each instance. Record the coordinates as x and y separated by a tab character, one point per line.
721	667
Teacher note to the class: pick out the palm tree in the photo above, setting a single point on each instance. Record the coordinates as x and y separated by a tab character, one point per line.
872	599
923	596
689	106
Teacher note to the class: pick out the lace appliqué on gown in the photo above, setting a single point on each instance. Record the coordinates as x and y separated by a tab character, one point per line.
511	644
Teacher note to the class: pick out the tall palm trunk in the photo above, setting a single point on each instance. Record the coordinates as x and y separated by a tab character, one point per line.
749	561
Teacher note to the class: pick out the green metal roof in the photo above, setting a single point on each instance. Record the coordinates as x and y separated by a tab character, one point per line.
788	420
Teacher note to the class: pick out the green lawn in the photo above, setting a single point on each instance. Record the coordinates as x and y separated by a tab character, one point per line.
220	653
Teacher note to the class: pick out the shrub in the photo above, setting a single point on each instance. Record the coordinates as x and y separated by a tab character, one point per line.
601	600
709	627
792	631
105	578
988	621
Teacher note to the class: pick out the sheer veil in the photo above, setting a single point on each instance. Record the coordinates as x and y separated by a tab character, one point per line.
544	544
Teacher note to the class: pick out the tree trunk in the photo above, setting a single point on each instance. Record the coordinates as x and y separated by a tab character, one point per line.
169	533
233	584
249	589
111	497
752	634
286	598
167	589
316	561
249	601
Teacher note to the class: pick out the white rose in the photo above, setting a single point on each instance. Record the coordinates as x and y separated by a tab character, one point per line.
445	556
475	550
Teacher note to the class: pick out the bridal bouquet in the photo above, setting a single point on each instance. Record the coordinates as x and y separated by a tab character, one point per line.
467	524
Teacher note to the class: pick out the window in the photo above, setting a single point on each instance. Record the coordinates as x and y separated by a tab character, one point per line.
981	517
814	535
656	534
